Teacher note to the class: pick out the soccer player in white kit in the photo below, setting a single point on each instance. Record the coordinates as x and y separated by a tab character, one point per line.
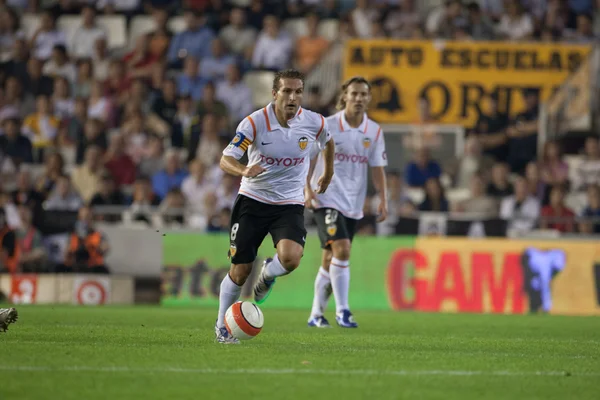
359	144
279	139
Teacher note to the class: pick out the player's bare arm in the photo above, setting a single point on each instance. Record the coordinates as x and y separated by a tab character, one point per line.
310	197
329	156
233	167
379	181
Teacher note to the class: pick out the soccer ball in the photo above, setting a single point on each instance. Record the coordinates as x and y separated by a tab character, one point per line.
244	320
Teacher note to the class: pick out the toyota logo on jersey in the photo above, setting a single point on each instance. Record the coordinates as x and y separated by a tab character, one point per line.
282	161
351	158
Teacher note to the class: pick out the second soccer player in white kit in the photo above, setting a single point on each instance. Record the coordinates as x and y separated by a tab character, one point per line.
359	144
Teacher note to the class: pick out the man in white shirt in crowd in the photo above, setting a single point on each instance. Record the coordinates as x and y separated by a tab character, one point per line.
238	36
84	38
235	94
521	209
274	46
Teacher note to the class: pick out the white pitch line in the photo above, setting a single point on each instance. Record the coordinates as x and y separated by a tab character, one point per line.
290	371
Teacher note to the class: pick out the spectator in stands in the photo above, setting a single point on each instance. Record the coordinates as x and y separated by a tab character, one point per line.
435	197
592	210
170	177
100	107
153	160
480	25
84	39
10	33
402	20
135	134
189	82
118	82
62	103
191	42
273	48
42	126
227	191
310	48
490	129
140	61
499	186
17	65
238	36
516	24
101	59
585	31
118	162
74	125
472	162
172	208
363	16
53	170
13	144
452	20
63	197
421	169
557	215
164	105
125	7
108	193
9	250
236	95
313	100
161	36
186	123
94	135
479	202
219	222
554	170
84	79
521	209
588	172
47	37
25	194
36	82
88	247
32	254
558	17
214	67
522	134
195	186
12	212
88	176
535	185
206	146
209	104
143	200
59	65
66	7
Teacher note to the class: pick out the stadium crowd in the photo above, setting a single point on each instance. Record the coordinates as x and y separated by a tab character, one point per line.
141	127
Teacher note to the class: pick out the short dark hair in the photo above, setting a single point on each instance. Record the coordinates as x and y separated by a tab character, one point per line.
341	103
286	74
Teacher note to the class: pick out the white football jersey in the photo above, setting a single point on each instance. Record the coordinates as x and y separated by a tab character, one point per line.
283	152
355	150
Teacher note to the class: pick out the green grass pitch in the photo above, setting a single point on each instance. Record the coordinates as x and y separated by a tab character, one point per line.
169	353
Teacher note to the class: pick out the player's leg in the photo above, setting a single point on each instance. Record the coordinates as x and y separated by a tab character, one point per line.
246	234
289	235
339	272
322	293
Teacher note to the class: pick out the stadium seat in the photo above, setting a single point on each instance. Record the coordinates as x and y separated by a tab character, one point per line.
140	25
457	195
114	25
416	195
296	27
576	201
260	83
30	24
329	29
176	24
573	162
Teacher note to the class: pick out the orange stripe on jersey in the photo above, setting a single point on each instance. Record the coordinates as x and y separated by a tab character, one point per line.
322	126
242	322
341	125
378	132
253	125
366	126
267	118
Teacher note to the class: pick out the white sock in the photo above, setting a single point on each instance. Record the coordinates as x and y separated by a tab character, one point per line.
320	300
229	294
275	269
339	272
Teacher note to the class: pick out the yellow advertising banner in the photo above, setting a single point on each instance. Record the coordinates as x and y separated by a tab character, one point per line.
454	77
497	276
